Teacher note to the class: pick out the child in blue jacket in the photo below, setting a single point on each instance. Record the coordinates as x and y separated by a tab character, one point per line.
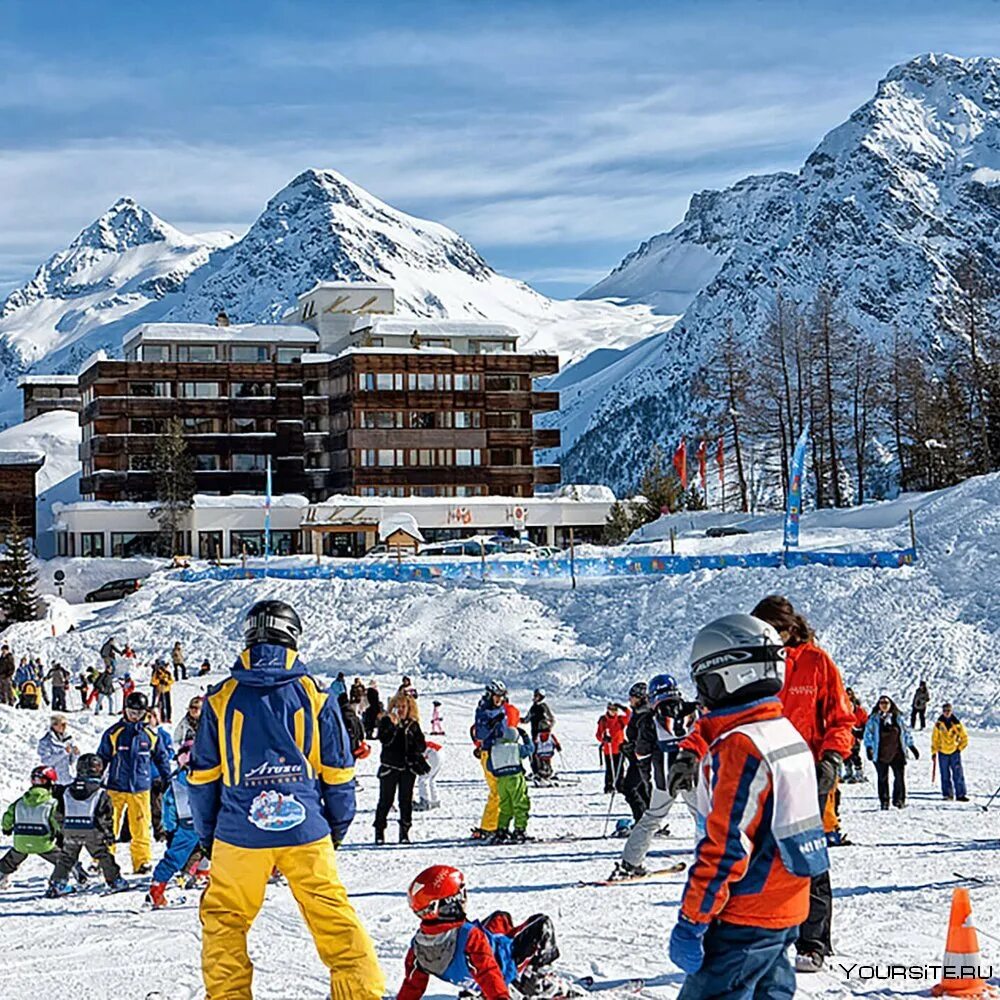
179	825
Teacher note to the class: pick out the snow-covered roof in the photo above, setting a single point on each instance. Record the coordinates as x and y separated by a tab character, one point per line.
347	286
398	521
396	350
582	491
47	380
22	458
242	333
202	500
546	500
403	326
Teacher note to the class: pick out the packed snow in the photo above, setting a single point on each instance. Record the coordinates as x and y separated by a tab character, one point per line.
938	620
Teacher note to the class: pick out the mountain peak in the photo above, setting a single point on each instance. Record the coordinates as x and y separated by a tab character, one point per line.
124	225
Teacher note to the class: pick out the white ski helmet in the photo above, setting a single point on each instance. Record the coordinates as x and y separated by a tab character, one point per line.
737	659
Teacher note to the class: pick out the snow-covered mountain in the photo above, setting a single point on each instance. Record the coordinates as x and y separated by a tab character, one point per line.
130	267
126	262
883	210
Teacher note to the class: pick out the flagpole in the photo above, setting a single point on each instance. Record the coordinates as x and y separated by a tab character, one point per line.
267	517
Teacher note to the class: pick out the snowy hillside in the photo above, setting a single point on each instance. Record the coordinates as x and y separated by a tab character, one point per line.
933	620
882	210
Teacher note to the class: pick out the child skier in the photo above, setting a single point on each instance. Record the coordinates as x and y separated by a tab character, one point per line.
546	746
437	720
427	796
34	821
491	955
179	825
760	838
512	787
88	822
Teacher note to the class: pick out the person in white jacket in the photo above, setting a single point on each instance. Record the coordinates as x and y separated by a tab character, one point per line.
58	750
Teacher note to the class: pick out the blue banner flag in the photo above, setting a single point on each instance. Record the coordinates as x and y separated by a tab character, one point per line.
794	510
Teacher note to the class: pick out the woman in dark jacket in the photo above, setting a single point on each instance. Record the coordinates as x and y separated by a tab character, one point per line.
887	738
403	748
370	716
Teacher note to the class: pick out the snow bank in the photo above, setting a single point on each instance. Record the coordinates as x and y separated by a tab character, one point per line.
939	619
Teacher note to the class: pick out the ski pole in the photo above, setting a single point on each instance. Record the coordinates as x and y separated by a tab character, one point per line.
615	771
992	797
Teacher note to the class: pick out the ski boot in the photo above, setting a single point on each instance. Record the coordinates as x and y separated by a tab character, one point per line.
80	874
57	889
622	829
624	870
664	831
500	837
157	895
539	985
517	837
119	885
479	834
4	881
808	961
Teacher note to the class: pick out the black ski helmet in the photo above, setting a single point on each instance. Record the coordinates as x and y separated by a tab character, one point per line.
639	690
273	622
137	701
90	765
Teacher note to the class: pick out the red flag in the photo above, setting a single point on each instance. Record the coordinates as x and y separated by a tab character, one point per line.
720	458
681	463
702	463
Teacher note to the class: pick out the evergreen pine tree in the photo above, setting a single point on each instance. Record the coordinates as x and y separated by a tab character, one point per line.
173	478
18	577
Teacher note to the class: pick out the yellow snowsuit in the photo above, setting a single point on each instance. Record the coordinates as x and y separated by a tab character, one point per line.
272	786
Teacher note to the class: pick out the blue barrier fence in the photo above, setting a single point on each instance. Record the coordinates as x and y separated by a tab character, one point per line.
522	569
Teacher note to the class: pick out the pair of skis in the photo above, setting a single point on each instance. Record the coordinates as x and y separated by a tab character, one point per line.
673	869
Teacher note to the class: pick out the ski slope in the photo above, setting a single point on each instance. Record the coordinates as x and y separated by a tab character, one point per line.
892	889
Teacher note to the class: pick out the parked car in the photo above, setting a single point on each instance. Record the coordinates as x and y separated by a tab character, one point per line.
724	531
114	590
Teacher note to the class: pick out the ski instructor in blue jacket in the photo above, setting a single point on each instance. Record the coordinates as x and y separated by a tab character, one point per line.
272	785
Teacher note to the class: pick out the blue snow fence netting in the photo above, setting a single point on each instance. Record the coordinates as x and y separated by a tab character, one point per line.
552	569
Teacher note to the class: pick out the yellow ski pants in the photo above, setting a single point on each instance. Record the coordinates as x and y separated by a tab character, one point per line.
140	824
235	895
491	812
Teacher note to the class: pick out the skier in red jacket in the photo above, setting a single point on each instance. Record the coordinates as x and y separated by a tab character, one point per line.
611	736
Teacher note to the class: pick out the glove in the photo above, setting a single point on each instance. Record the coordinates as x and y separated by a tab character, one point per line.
336	843
477	753
687	947
606	738
627	748
868	751
206	847
915	752
683	774
827	769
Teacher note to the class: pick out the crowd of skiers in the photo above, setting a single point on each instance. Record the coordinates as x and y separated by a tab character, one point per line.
258	776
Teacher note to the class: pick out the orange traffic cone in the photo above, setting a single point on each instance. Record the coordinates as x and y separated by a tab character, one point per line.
961	953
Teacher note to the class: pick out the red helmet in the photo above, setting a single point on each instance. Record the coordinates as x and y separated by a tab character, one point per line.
438	891
42	775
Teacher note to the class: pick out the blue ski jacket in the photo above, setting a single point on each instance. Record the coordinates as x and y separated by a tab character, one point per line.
132	750
271	764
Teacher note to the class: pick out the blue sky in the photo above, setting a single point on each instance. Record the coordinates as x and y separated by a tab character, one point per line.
554	135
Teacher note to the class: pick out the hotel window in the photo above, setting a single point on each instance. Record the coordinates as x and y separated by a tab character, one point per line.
494	346
381	419
444	382
503	383
421	381
467	418
146	425
249	353
196	352
467	383
421	420
200	390
154	352
289	355
207	463
200	425
468	456
503	456
140	463
209	544
247	462
438	342
506	420
147	390
249	425
389	457
249	390
92	544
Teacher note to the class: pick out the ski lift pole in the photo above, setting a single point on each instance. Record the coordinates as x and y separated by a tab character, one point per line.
572	559
913	535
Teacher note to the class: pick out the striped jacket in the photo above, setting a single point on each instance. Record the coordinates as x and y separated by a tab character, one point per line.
757	849
271	764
